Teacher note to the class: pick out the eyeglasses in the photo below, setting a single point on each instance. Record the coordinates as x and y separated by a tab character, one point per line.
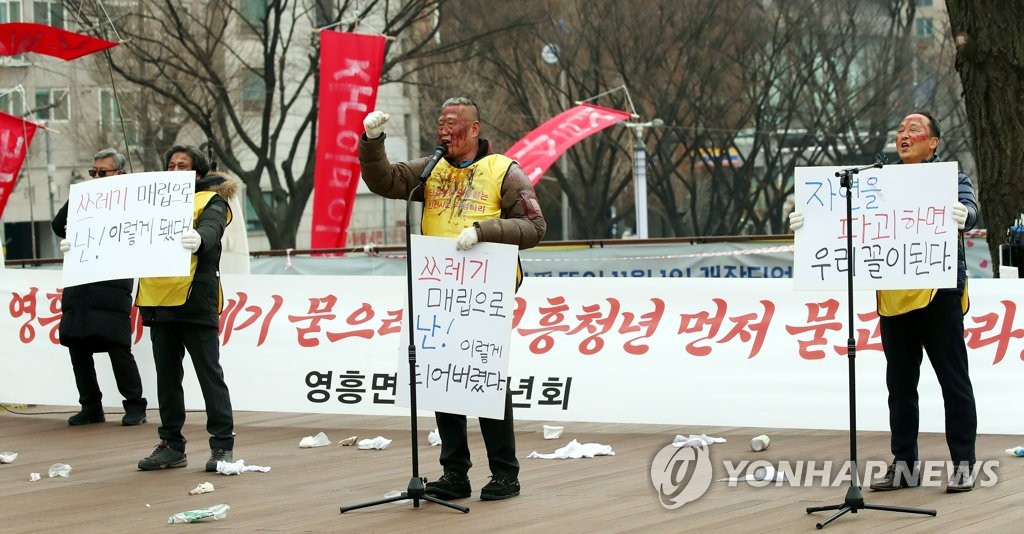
101	173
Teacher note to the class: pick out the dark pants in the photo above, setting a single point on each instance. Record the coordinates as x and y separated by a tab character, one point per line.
126	374
939	329
170	340
499	439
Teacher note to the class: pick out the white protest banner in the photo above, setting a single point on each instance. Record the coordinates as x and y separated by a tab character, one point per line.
129	226
462	306
904	236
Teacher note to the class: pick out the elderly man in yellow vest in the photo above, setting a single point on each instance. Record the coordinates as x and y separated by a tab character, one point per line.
183	313
931	319
472	195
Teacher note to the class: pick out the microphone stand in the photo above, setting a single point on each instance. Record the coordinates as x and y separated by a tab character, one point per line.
854	499
417	485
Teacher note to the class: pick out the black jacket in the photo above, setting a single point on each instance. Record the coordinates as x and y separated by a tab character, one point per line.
95	316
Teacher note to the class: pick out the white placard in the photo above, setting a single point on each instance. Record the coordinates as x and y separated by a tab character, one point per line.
904	236
129	226
462	304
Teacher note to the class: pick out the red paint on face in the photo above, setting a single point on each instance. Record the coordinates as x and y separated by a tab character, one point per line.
454	128
914	140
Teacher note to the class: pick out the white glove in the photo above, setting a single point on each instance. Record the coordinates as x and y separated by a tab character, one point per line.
959	213
191	240
796	221
467	238
65	246
374	123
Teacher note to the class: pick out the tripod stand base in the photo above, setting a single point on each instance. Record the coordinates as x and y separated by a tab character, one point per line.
854	502
416	492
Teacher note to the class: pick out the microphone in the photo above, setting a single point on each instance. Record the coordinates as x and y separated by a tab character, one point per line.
439	153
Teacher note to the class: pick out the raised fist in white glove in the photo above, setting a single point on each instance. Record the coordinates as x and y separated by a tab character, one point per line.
374	123
796	220
467	238
191	240
65	246
959	213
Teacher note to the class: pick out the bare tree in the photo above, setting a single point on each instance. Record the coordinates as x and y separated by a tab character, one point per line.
244	75
990	58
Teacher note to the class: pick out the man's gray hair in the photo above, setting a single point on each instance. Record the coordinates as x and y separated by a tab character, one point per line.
462	101
111	153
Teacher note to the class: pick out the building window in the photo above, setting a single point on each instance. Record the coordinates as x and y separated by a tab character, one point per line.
12	102
111	110
925	27
252	220
10	11
254	13
50	12
53	104
254	93
924	3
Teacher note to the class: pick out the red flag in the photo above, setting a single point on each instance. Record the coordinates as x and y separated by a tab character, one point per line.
15	136
21	37
350	67
540	148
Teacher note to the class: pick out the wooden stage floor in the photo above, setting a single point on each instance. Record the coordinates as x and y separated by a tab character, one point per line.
306	487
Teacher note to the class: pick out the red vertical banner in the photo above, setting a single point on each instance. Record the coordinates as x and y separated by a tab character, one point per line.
15	136
350	67
541	147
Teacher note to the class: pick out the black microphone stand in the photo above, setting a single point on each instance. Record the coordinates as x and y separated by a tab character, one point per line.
854	499
417	485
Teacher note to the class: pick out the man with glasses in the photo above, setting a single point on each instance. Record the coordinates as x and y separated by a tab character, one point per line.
96	317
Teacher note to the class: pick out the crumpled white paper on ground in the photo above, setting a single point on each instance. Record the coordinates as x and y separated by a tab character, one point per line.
434	438
351	440
378	443
238	467
575	450
319	440
7	457
205	487
695	440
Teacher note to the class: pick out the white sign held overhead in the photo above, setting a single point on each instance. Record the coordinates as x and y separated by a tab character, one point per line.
462	304
129	226
904	236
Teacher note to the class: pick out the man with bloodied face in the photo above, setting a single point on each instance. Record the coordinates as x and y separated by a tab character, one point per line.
472	195
932	320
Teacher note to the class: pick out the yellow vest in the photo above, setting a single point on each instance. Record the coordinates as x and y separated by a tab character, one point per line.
173	290
899	301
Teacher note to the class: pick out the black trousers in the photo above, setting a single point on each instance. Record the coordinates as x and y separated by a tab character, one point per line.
170	340
126	374
939	329
499	439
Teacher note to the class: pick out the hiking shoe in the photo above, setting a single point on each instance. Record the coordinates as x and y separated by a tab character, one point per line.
133	419
897	476
500	487
217	455
963	479
86	417
451	485
163	457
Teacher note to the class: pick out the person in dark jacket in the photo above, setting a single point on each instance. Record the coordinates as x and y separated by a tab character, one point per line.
96	317
183	313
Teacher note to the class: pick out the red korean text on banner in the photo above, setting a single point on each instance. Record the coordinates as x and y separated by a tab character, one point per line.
15	136
22	37
350	66
539	149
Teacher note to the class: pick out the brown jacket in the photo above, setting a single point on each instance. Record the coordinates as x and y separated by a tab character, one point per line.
521	223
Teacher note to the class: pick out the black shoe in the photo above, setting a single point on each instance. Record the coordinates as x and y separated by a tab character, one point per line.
963	479
451	485
500	487
163	457
86	417
897	476
217	455
132	419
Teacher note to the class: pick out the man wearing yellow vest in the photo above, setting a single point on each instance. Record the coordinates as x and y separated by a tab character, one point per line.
472	195
931	319
183	313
